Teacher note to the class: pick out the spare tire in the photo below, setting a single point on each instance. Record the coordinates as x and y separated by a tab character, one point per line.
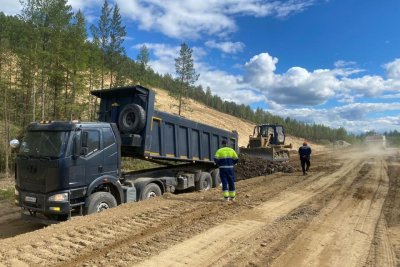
132	119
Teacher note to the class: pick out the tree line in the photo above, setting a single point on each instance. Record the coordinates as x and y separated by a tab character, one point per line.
49	63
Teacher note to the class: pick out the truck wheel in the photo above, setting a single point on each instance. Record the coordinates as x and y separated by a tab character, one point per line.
204	183
216	179
100	201
132	118
151	190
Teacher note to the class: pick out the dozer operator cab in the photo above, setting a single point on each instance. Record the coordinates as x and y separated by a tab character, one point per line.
266	135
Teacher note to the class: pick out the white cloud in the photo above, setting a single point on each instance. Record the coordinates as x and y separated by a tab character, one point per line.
371	86
12	7
226	47
163	58
86	4
228	87
344	63
393	69
193	19
390	96
297	86
354	117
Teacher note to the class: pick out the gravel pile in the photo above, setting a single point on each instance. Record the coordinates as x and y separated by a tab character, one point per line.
249	167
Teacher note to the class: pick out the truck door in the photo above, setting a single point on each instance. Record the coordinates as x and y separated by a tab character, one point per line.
93	156
110	153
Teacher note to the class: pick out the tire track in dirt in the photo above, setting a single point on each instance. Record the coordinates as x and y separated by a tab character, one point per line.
66	245
266	245
382	252
125	227
343	233
11	223
211	247
167	236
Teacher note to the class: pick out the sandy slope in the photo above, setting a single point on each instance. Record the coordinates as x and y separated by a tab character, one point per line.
203	114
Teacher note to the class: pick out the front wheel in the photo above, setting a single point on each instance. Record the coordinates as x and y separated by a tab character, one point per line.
100	201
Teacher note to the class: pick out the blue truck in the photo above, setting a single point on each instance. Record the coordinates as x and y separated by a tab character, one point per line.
67	168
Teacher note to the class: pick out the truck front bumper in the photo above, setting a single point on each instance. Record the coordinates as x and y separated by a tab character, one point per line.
39	203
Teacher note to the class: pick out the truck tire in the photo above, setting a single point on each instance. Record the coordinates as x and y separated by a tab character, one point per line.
132	119
216	179
204	183
100	201
151	190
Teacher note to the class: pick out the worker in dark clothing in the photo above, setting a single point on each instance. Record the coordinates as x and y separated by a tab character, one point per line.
226	158
304	153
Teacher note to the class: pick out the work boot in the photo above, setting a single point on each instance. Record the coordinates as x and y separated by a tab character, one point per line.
226	199
233	199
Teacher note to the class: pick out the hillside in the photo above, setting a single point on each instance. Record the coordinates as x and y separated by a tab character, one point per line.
203	114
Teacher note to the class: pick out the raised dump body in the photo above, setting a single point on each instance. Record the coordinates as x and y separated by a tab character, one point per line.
152	134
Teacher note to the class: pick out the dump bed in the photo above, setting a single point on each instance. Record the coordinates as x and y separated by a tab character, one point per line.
152	134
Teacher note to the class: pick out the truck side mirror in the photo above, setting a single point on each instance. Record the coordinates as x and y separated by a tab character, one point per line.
14	144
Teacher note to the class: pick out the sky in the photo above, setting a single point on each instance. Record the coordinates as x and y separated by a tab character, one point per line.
331	62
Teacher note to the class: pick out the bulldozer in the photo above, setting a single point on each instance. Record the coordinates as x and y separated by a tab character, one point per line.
267	142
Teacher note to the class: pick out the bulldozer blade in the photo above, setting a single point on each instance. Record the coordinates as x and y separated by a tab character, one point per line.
267	153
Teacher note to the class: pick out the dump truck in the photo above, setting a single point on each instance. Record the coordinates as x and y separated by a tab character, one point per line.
268	142
67	168
375	141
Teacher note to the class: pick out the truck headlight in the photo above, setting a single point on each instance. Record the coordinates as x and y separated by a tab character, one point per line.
59	197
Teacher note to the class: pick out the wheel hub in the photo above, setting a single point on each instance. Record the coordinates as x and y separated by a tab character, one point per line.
206	185
102	206
151	194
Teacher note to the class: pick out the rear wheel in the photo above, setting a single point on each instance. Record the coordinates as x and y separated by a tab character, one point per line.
150	191
204	183
216	179
100	201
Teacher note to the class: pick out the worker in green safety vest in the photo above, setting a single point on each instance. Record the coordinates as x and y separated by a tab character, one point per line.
226	158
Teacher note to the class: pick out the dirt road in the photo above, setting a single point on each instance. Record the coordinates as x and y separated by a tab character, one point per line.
346	212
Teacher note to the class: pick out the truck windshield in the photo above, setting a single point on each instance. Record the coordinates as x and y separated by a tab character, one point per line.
43	144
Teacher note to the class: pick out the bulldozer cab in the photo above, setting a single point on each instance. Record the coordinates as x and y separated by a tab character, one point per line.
267	142
266	134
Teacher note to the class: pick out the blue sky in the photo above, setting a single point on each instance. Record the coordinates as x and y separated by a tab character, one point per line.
335	62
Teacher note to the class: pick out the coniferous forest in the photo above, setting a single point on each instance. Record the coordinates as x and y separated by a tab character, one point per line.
50	61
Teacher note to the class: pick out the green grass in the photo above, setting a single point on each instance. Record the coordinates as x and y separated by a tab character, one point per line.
7	194
130	164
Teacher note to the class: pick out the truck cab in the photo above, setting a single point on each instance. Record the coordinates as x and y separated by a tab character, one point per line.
59	164
70	167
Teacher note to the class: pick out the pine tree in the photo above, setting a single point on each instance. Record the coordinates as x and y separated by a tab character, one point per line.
143	61
115	48
143	57
186	72
101	35
78	55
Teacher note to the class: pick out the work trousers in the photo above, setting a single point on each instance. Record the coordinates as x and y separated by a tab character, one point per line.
227	176
305	164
